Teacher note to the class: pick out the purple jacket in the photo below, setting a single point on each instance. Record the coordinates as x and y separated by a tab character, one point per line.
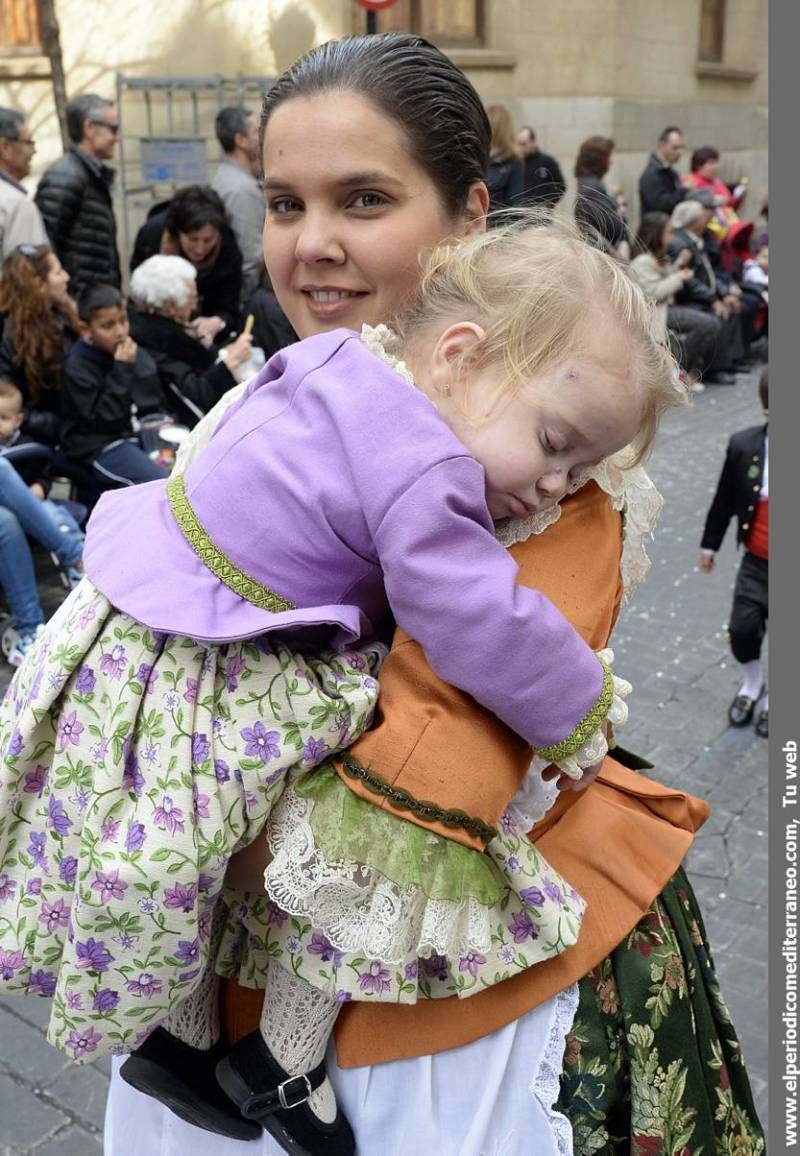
336	485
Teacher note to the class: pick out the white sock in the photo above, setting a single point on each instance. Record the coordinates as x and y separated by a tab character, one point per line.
296	1024
196	1019
752	678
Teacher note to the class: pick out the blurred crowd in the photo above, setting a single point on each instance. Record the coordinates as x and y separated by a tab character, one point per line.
96	390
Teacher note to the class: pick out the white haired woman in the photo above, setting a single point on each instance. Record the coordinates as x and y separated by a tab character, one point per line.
709	287
163	297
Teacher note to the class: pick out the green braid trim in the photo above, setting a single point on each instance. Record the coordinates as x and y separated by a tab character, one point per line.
587	726
217	560
403	801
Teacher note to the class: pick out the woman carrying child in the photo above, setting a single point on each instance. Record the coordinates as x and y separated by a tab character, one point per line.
623	837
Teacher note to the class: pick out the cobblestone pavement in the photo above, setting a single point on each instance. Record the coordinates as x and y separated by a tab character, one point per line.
671	643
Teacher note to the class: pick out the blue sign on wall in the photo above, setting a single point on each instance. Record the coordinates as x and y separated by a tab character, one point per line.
180	159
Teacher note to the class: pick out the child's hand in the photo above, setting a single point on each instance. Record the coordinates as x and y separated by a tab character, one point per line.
705	563
37	490
126	351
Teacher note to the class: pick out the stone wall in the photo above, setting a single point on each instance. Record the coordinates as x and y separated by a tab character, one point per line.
624	68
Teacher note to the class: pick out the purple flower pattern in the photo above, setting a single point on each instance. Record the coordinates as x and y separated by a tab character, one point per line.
196	755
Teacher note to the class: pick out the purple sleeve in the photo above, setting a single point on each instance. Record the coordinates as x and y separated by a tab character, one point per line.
453	588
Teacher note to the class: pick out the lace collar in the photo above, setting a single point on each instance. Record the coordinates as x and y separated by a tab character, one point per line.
629	488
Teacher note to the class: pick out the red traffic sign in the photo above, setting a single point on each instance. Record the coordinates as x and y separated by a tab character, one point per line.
376	5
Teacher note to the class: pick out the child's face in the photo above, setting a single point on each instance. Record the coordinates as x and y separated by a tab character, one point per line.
108	328
762	256
567	418
10	417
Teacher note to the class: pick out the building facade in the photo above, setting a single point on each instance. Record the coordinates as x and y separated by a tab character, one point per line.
623	68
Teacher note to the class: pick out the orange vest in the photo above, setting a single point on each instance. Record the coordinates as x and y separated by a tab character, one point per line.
618	842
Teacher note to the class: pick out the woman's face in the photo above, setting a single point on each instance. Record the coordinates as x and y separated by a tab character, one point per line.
196	246
666	237
349	210
56	281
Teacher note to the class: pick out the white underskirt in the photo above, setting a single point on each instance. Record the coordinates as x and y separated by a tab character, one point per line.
492	1097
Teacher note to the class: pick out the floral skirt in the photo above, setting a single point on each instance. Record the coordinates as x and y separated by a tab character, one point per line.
365	905
653	1066
133	765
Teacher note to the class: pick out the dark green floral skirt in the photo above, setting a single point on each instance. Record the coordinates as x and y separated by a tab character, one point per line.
653	1066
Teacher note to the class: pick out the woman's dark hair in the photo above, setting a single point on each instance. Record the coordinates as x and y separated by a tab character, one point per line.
702	155
415	85
651	231
194	207
594	157
97	297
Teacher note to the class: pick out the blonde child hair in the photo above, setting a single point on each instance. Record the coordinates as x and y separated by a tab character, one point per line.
534	289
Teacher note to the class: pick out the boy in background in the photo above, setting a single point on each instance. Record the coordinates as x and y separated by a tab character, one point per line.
743	492
107	377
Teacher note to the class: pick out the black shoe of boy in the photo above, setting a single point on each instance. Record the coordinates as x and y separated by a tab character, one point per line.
741	710
184	1080
762	725
263	1091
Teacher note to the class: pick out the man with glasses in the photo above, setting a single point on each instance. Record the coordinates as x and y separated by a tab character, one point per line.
74	196
20	220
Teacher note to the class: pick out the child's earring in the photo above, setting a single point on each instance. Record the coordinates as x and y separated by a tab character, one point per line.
447	389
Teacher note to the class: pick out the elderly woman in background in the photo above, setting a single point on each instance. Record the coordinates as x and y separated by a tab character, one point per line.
708	289
194	377
696	330
506	175
194	225
596	208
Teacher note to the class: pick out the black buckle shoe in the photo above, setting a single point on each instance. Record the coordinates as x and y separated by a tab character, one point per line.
740	712
762	725
183	1078
264	1092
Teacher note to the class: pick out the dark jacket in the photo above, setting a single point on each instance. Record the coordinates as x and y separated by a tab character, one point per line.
97	398
660	188
41	420
704	287
596	212
738	487
74	198
271	330
505	182
192	379
219	287
543	182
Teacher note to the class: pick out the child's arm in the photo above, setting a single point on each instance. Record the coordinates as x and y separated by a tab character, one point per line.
454	588
722	509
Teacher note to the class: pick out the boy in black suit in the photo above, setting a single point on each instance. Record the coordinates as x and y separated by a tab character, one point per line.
743	492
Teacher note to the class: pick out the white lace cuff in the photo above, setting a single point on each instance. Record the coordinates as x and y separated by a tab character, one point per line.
596	746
